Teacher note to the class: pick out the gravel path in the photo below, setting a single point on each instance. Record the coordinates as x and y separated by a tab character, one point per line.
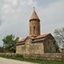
10	61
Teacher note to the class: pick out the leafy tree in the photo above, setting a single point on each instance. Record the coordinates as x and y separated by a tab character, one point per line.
1	49
59	36
10	43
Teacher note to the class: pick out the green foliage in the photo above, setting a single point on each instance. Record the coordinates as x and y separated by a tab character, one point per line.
10	43
1	49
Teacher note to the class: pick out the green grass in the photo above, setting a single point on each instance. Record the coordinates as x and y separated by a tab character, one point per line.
40	61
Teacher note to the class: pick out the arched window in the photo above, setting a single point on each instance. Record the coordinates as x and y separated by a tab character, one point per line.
30	29
34	30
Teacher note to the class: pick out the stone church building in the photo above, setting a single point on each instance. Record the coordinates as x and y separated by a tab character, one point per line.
35	43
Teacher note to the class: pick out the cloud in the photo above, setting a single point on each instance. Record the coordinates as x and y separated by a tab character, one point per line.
52	16
46	2
15	16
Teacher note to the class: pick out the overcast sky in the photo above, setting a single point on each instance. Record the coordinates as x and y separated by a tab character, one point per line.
15	15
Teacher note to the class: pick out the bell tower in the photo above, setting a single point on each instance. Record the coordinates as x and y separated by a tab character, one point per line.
34	24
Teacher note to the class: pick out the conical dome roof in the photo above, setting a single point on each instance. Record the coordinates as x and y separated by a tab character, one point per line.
34	16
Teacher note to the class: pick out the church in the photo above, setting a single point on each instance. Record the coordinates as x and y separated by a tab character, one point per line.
36	43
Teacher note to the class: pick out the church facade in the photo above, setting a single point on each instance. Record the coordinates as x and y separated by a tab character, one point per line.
35	43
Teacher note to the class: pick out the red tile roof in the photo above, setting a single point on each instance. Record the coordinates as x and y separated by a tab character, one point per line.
21	40
35	38
42	36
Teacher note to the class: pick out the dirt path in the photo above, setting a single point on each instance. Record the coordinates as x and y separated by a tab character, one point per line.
10	61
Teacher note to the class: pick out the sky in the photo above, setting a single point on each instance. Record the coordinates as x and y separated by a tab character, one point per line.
15	15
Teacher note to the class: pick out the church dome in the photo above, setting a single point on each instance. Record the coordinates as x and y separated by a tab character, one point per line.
34	16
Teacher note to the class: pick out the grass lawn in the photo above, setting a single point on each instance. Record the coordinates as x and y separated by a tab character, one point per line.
40	61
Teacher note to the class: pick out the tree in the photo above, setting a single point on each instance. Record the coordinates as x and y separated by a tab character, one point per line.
1	49
59	36
9	43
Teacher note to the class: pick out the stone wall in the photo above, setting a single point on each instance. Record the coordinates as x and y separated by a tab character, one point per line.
34	27
21	49
50	45
32	48
48	56
36	48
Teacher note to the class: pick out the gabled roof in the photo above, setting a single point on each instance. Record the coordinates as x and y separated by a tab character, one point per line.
40	37
21	40
34	15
